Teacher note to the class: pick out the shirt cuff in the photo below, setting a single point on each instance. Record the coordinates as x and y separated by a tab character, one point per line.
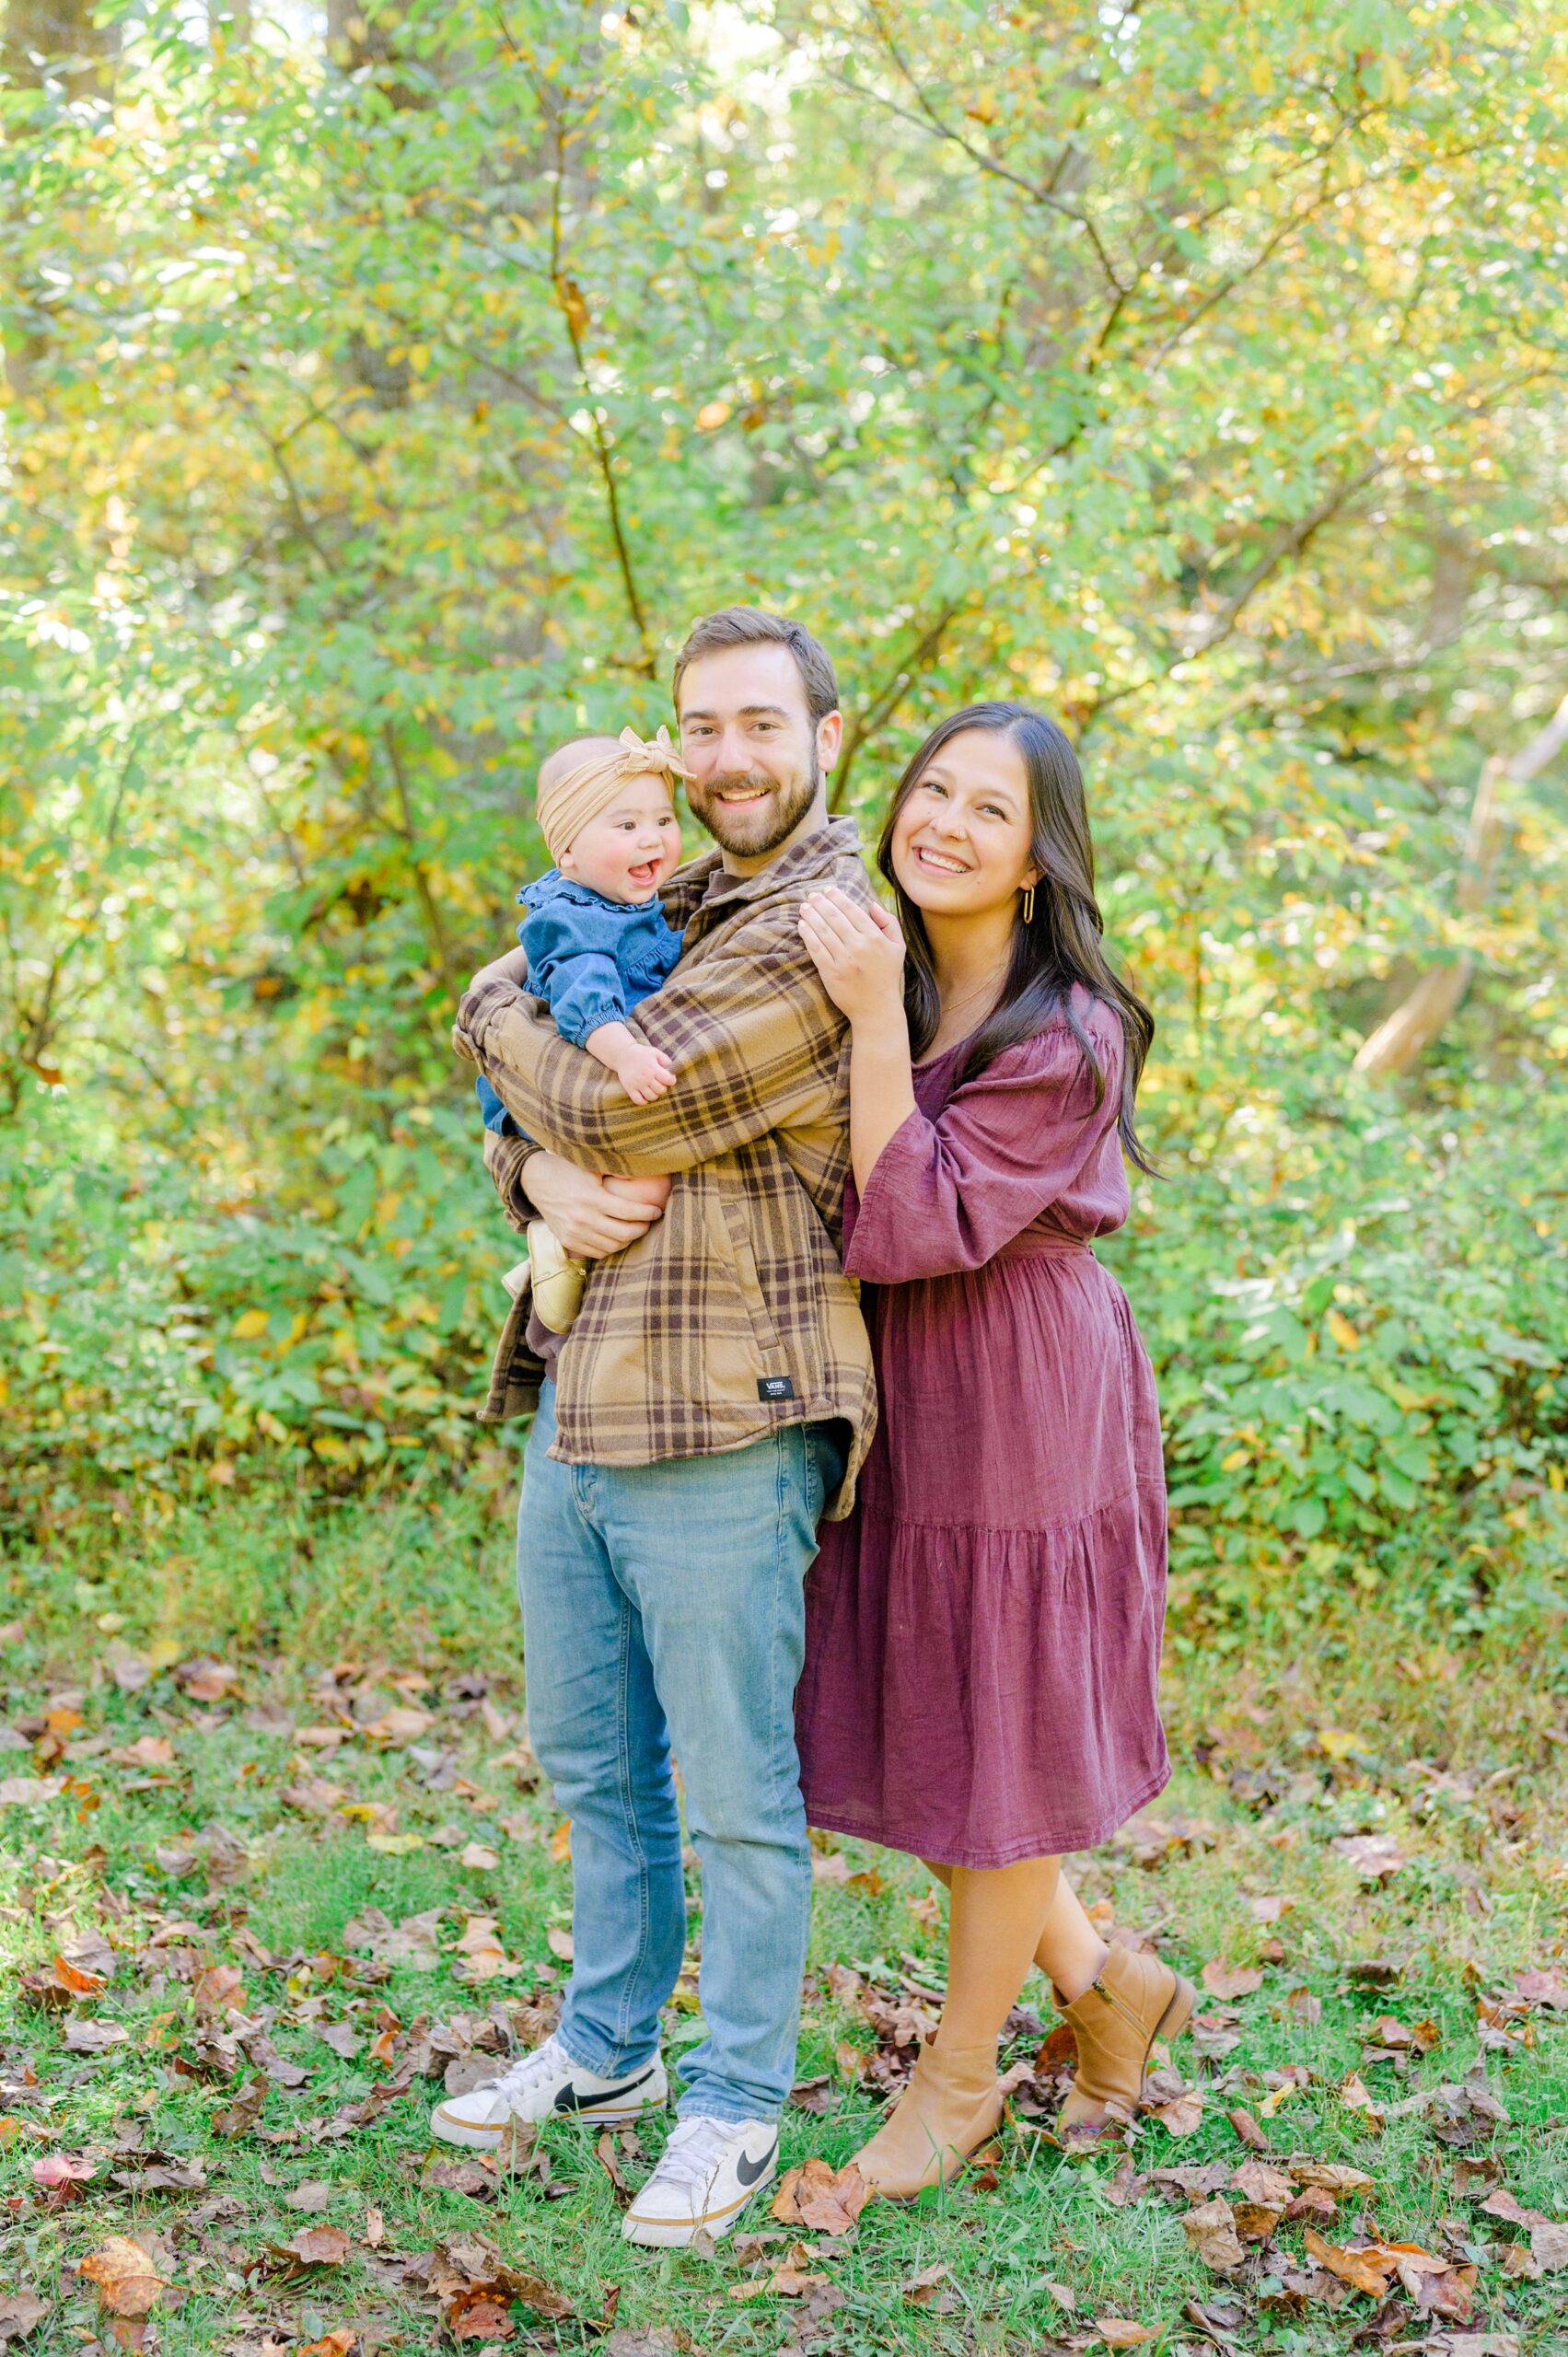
506	1160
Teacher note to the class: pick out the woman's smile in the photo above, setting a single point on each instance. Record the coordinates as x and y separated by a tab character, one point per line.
941	863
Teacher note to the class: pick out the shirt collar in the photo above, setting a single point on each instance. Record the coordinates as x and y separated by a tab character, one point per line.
705	884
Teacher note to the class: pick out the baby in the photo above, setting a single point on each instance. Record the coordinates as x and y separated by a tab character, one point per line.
598	944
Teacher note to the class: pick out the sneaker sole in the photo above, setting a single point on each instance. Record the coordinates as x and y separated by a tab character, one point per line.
474	2139
676	2234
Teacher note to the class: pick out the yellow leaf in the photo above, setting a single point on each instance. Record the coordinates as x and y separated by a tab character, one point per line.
1238	1456
1341	1329
561	1841
249	1324
394	1845
1339	1742
711	415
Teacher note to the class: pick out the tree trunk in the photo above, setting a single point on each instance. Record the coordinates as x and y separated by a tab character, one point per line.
60	37
1394	1047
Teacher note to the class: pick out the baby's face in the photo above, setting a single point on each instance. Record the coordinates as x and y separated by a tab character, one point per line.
628	851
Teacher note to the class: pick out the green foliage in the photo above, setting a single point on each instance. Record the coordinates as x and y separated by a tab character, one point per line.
374	417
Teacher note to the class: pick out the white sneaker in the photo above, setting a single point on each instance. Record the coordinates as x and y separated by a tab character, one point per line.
706	2174
541	2085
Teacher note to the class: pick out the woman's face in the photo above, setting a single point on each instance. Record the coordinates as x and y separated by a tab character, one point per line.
962	839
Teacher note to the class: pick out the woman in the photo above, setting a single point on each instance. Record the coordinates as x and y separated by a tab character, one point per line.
984	1633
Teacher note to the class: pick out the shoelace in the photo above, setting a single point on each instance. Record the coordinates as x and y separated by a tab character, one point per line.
527	2069
694	2147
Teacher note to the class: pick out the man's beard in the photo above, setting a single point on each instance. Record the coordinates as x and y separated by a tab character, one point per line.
752	834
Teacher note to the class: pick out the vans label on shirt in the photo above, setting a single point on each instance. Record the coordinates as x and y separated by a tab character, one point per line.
775	1387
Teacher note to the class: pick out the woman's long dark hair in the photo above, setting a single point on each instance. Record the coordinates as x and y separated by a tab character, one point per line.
1060	947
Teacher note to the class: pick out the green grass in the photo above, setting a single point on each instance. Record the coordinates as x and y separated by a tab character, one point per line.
1453	1757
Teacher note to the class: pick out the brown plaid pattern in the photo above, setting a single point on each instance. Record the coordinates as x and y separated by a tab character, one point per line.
739	1283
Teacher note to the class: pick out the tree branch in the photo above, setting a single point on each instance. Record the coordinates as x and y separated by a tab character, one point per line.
864	723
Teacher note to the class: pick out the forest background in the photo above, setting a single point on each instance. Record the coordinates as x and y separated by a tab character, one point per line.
382	408
384	395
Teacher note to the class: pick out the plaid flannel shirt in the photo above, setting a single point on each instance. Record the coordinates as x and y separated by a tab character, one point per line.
732	1315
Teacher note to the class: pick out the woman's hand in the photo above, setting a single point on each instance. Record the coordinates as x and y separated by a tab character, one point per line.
859	954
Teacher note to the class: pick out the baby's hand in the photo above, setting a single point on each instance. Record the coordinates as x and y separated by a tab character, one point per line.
644	1073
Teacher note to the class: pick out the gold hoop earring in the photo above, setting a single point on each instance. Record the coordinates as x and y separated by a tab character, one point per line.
1029	905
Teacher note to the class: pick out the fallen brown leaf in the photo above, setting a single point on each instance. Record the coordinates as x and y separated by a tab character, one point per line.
1262	2181
314	2247
1542	1988
1124	2185
1549	2247
1334	2177
1504	2204
61	1984
1210	2231
1247	2128
20	2312
1120	2332
1400	2037
128	2282
1229	1980
826	2200
235	2118
1374	1856
219	1989
1183	2114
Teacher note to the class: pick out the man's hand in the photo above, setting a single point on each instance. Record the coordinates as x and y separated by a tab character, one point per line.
591	1217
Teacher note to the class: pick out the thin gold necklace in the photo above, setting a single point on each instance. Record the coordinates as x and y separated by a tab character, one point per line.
962	1005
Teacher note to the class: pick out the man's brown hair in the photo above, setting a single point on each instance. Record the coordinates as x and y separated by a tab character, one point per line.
752	626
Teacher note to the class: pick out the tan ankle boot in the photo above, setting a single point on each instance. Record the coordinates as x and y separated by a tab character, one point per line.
558	1279
951	2107
1135	2000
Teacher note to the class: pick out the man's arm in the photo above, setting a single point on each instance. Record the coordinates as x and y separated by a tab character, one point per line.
590	1216
755	1040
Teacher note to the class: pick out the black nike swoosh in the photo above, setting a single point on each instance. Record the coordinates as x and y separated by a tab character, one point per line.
568	2099
750	2171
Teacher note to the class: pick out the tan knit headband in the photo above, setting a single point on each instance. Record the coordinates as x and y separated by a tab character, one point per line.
568	805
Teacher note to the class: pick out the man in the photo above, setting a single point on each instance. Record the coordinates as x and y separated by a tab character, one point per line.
714	1397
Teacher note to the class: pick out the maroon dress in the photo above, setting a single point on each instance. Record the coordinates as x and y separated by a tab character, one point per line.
984	1633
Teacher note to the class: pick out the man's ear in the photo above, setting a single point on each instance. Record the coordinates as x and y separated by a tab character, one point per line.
829	737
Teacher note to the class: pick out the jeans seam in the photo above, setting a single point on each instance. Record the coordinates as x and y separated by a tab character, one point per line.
623	1760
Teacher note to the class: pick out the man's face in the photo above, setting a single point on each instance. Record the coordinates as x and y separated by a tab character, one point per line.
755	759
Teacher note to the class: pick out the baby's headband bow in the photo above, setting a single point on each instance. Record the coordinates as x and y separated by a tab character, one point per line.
588	789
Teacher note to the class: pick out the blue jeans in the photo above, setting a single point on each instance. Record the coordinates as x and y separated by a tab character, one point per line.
663	1606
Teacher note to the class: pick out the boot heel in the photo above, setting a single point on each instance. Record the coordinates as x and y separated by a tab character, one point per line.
1178	2013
